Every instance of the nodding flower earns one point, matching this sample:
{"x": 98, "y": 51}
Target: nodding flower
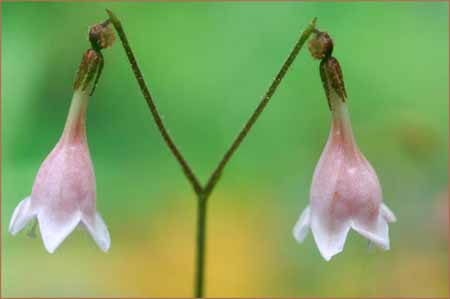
{"x": 63, "y": 195}
{"x": 345, "y": 191}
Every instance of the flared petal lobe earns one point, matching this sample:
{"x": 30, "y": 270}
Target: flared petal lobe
{"x": 98, "y": 230}
{"x": 329, "y": 234}
{"x": 302, "y": 227}
{"x": 22, "y": 214}
{"x": 55, "y": 227}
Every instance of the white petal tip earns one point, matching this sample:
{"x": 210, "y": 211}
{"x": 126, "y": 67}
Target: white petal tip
{"x": 104, "y": 244}
{"x": 50, "y": 249}
{"x": 329, "y": 235}
{"x": 99, "y": 232}
{"x": 379, "y": 236}
{"x": 12, "y": 230}
{"x": 51, "y": 244}
{"x": 327, "y": 258}
{"x": 301, "y": 228}
{"x": 21, "y": 216}
{"x": 388, "y": 214}
{"x": 53, "y": 230}
{"x": 329, "y": 252}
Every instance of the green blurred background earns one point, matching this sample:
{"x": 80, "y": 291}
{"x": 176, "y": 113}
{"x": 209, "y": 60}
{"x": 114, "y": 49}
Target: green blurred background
{"x": 207, "y": 65}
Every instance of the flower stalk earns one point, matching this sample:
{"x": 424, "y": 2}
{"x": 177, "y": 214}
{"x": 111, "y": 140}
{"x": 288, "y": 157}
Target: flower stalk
{"x": 187, "y": 170}
{"x": 203, "y": 192}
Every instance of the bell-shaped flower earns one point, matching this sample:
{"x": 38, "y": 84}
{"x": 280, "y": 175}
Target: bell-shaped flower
{"x": 63, "y": 194}
{"x": 345, "y": 191}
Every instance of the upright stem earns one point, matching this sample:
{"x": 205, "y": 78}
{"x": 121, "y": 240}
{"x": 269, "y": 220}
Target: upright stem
{"x": 200, "y": 246}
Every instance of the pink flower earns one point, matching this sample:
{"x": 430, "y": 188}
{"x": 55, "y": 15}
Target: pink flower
{"x": 63, "y": 194}
{"x": 345, "y": 192}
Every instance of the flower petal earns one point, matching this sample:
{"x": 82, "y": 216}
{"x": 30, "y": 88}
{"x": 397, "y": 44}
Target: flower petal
{"x": 377, "y": 232}
{"x": 23, "y": 213}
{"x": 56, "y": 226}
{"x": 329, "y": 235}
{"x": 98, "y": 231}
{"x": 301, "y": 228}
{"x": 387, "y": 213}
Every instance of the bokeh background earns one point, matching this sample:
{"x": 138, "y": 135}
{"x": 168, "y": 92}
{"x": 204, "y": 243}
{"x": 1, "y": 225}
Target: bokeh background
{"x": 207, "y": 65}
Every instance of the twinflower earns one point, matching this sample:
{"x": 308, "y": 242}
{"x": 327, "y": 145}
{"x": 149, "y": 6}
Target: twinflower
{"x": 63, "y": 195}
{"x": 345, "y": 191}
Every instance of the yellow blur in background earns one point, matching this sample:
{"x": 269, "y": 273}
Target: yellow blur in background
{"x": 207, "y": 65}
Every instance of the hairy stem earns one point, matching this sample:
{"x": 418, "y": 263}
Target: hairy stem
{"x": 214, "y": 178}
{"x": 151, "y": 105}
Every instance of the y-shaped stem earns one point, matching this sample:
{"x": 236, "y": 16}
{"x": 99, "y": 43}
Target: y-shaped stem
{"x": 203, "y": 193}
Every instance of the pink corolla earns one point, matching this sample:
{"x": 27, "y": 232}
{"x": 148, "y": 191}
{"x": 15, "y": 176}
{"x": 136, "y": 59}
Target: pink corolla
{"x": 63, "y": 194}
{"x": 345, "y": 191}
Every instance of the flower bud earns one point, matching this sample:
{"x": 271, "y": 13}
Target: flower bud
{"x": 101, "y": 36}
{"x": 90, "y": 68}
{"x": 333, "y": 81}
{"x": 321, "y": 45}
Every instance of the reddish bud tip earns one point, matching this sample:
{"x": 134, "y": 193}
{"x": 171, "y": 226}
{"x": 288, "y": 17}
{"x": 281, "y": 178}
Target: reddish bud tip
{"x": 321, "y": 45}
{"x": 101, "y": 36}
